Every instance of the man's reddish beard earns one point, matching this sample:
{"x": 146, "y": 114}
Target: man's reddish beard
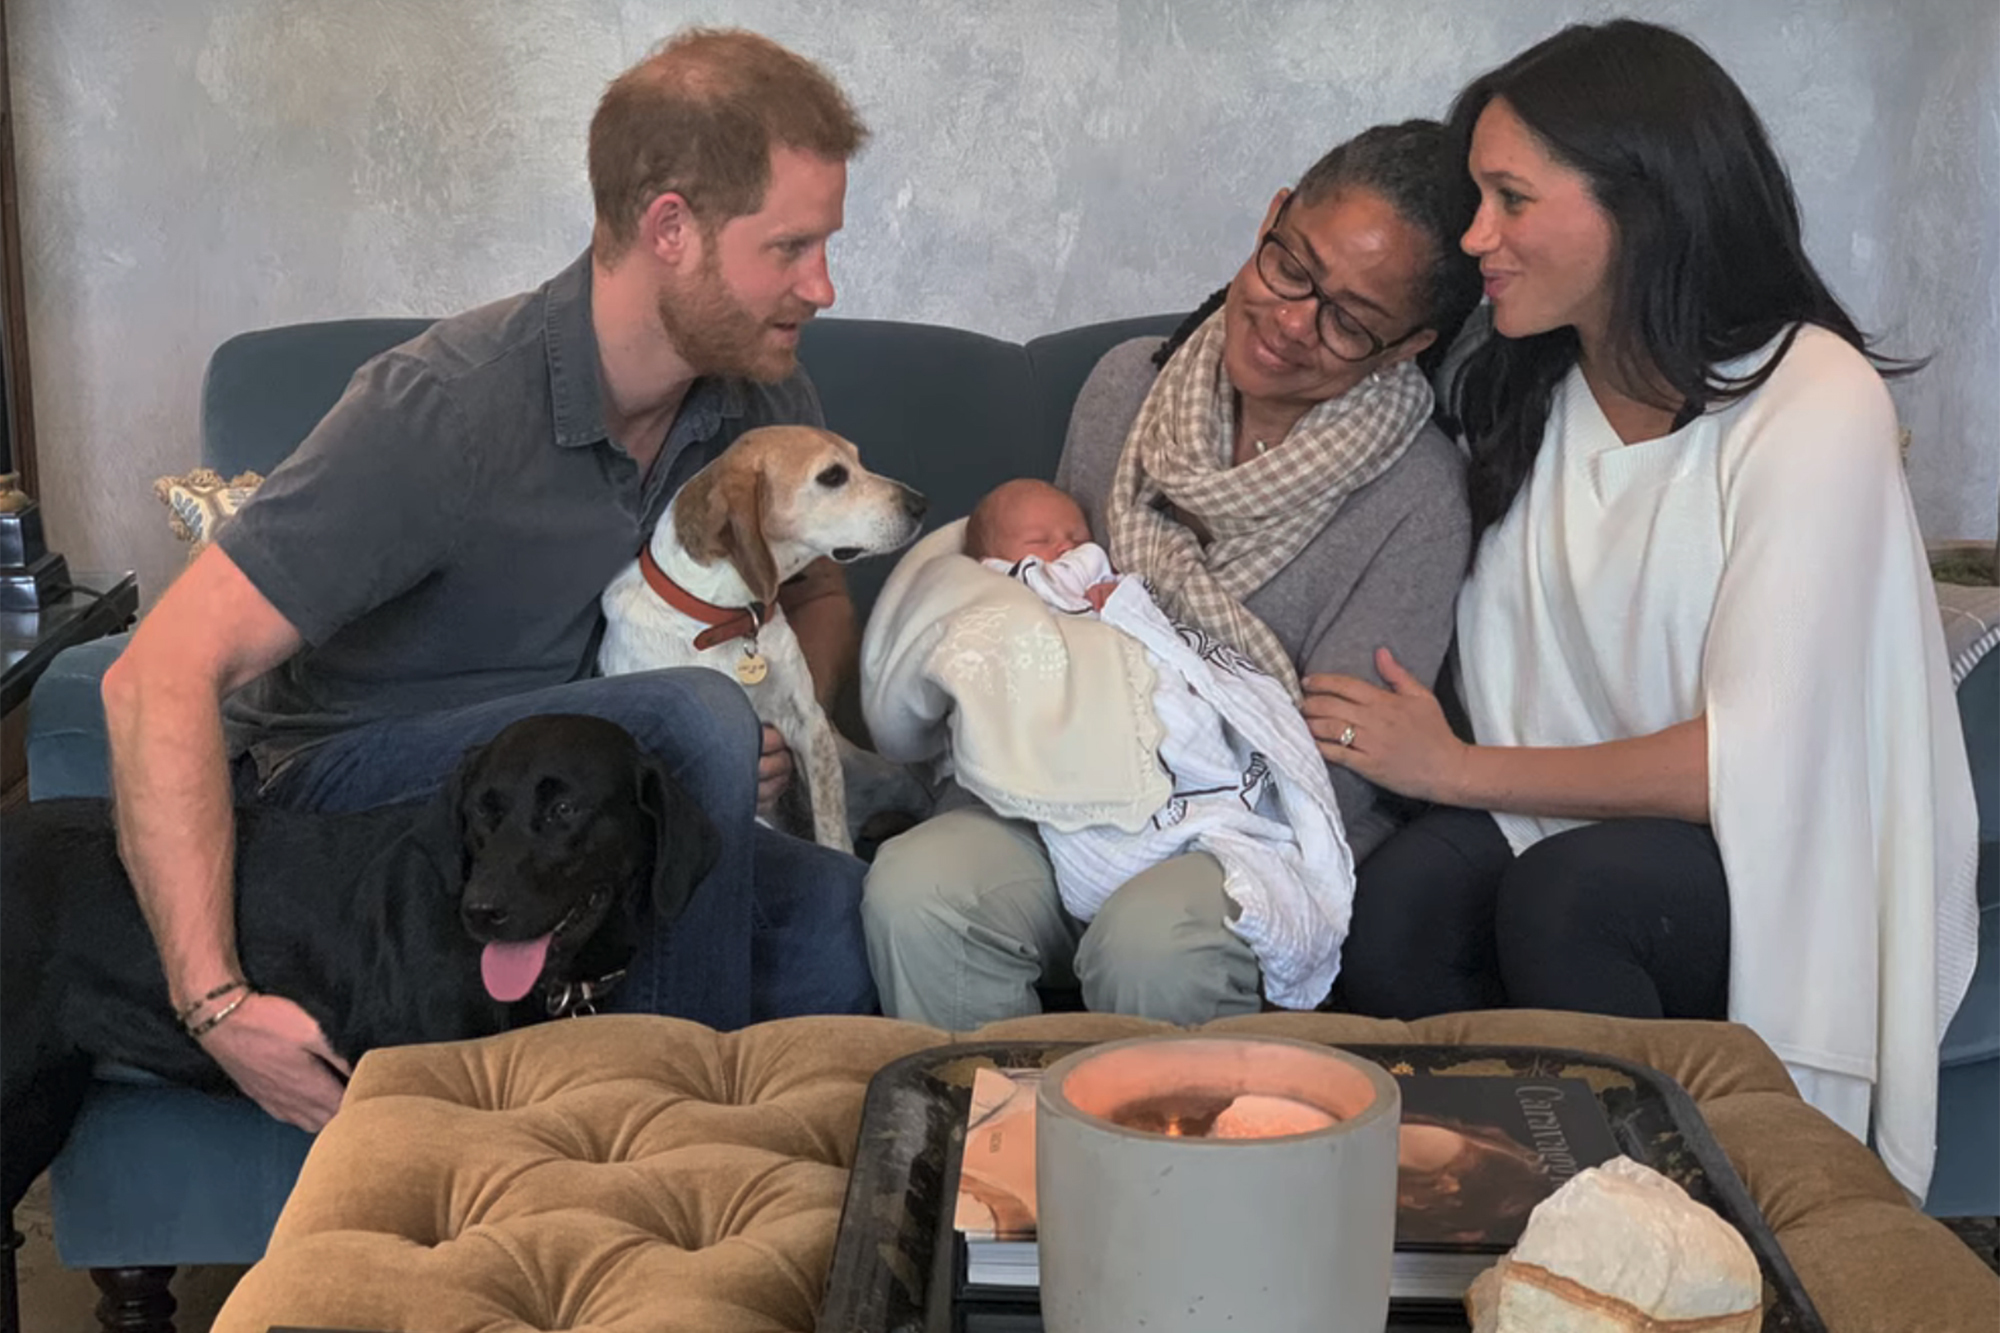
{"x": 717, "y": 334}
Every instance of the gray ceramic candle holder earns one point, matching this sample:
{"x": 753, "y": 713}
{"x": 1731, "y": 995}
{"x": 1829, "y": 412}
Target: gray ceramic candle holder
{"x": 1142, "y": 1227}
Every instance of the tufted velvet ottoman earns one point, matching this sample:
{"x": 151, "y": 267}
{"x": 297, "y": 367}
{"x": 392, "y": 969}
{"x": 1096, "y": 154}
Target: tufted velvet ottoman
{"x": 644, "y": 1175}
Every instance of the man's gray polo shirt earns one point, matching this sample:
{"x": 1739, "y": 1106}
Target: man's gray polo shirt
{"x": 442, "y": 536}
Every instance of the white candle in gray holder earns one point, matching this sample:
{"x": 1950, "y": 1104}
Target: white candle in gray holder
{"x": 1189, "y": 1184}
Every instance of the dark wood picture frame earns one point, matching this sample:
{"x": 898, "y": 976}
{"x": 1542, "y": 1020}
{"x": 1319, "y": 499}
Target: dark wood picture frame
{"x": 17, "y": 414}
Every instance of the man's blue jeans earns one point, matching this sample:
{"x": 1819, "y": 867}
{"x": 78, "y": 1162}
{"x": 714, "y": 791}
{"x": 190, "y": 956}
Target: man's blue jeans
{"x": 774, "y": 930}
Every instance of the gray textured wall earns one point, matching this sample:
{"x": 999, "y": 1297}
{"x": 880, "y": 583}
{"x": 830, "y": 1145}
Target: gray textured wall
{"x": 193, "y": 168}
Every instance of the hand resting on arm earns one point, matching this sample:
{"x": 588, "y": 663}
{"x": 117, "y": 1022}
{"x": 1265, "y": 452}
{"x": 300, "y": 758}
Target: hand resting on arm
{"x": 1400, "y": 740}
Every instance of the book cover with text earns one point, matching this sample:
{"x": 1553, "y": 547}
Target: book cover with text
{"x": 1478, "y": 1152}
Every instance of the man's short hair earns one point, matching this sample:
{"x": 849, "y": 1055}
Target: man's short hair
{"x": 699, "y": 118}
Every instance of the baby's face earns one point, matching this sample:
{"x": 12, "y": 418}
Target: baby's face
{"x": 1043, "y": 523}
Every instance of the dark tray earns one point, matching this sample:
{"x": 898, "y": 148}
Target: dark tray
{"x": 893, "y": 1259}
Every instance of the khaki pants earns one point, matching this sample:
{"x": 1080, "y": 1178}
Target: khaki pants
{"x": 963, "y": 921}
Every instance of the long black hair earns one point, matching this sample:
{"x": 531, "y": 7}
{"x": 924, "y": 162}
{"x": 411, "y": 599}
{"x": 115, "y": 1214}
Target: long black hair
{"x": 1419, "y": 168}
{"x": 1709, "y": 262}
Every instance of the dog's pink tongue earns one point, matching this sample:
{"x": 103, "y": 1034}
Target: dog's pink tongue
{"x": 510, "y": 968}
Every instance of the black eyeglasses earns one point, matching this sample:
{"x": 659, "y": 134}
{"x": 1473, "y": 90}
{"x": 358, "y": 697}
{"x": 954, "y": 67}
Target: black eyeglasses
{"x": 1290, "y": 280}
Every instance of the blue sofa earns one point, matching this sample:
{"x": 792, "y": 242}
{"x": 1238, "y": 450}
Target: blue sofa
{"x": 157, "y": 1176}
{"x": 1966, "y": 1182}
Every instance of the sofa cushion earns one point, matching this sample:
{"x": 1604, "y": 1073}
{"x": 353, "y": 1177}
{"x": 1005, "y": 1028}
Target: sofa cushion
{"x": 1974, "y": 1033}
{"x": 1062, "y": 361}
{"x": 133, "y": 1186}
{"x": 265, "y": 390}
{"x": 201, "y": 501}
{"x": 66, "y": 750}
{"x": 629, "y": 1173}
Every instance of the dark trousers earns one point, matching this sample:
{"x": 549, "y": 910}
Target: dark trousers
{"x": 1628, "y": 917}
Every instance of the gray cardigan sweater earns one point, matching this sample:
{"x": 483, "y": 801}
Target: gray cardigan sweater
{"x": 1383, "y": 573}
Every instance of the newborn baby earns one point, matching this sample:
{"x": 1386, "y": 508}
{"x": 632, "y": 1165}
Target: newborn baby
{"x": 1031, "y": 531}
{"x": 1247, "y": 783}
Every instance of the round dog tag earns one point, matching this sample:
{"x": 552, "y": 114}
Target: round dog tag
{"x": 752, "y": 668}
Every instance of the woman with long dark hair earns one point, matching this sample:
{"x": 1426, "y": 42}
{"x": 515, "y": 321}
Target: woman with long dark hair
{"x": 1715, "y": 766}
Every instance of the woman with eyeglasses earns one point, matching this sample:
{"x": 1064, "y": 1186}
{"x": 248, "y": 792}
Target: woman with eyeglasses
{"x": 1718, "y": 769}
{"x": 1274, "y": 471}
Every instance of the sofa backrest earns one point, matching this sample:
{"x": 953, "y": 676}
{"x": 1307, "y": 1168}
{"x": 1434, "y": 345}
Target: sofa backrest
{"x": 265, "y": 390}
{"x": 949, "y": 412}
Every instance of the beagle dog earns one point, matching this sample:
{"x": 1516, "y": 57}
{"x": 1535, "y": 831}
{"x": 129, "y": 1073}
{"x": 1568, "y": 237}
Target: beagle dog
{"x": 704, "y": 590}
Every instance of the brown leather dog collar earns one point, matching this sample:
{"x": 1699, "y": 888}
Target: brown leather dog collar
{"x": 724, "y": 622}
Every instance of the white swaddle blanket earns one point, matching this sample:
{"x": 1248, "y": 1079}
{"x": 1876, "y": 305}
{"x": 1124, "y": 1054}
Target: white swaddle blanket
{"x": 1247, "y": 784}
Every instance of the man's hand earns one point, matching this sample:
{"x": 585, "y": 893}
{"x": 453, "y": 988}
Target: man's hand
{"x": 279, "y": 1058}
{"x": 774, "y": 771}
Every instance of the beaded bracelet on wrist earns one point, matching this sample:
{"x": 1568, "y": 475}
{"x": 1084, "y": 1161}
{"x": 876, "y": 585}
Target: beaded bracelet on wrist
{"x": 210, "y": 1023}
{"x": 192, "y": 1007}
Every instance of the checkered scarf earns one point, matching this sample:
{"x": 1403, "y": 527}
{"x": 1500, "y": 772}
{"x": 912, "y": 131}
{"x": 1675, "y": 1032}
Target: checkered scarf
{"x": 1260, "y": 514}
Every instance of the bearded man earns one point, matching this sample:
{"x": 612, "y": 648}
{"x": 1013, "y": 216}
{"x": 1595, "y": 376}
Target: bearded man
{"x": 425, "y": 568}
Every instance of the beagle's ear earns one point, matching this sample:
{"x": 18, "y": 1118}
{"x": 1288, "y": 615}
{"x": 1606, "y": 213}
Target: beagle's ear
{"x": 719, "y": 515}
{"x": 743, "y": 535}
{"x": 701, "y": 516}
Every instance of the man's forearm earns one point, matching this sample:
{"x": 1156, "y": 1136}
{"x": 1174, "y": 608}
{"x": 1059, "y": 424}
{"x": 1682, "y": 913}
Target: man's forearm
{"x": 176, "y": 825}
{"x": 210, "y": 634}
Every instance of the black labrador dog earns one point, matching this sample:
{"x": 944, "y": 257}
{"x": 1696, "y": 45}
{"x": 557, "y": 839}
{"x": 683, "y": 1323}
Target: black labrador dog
{"x": 518, "y": 890}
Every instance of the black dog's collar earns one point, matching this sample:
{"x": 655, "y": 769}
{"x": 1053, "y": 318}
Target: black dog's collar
{"x": 578, "y": 999}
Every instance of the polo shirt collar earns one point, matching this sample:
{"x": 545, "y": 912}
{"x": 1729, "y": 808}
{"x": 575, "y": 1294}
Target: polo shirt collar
{"x": 576, "y": 377}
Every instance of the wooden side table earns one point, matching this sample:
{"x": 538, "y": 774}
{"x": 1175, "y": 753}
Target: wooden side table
{"x": 96, "y": 605}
